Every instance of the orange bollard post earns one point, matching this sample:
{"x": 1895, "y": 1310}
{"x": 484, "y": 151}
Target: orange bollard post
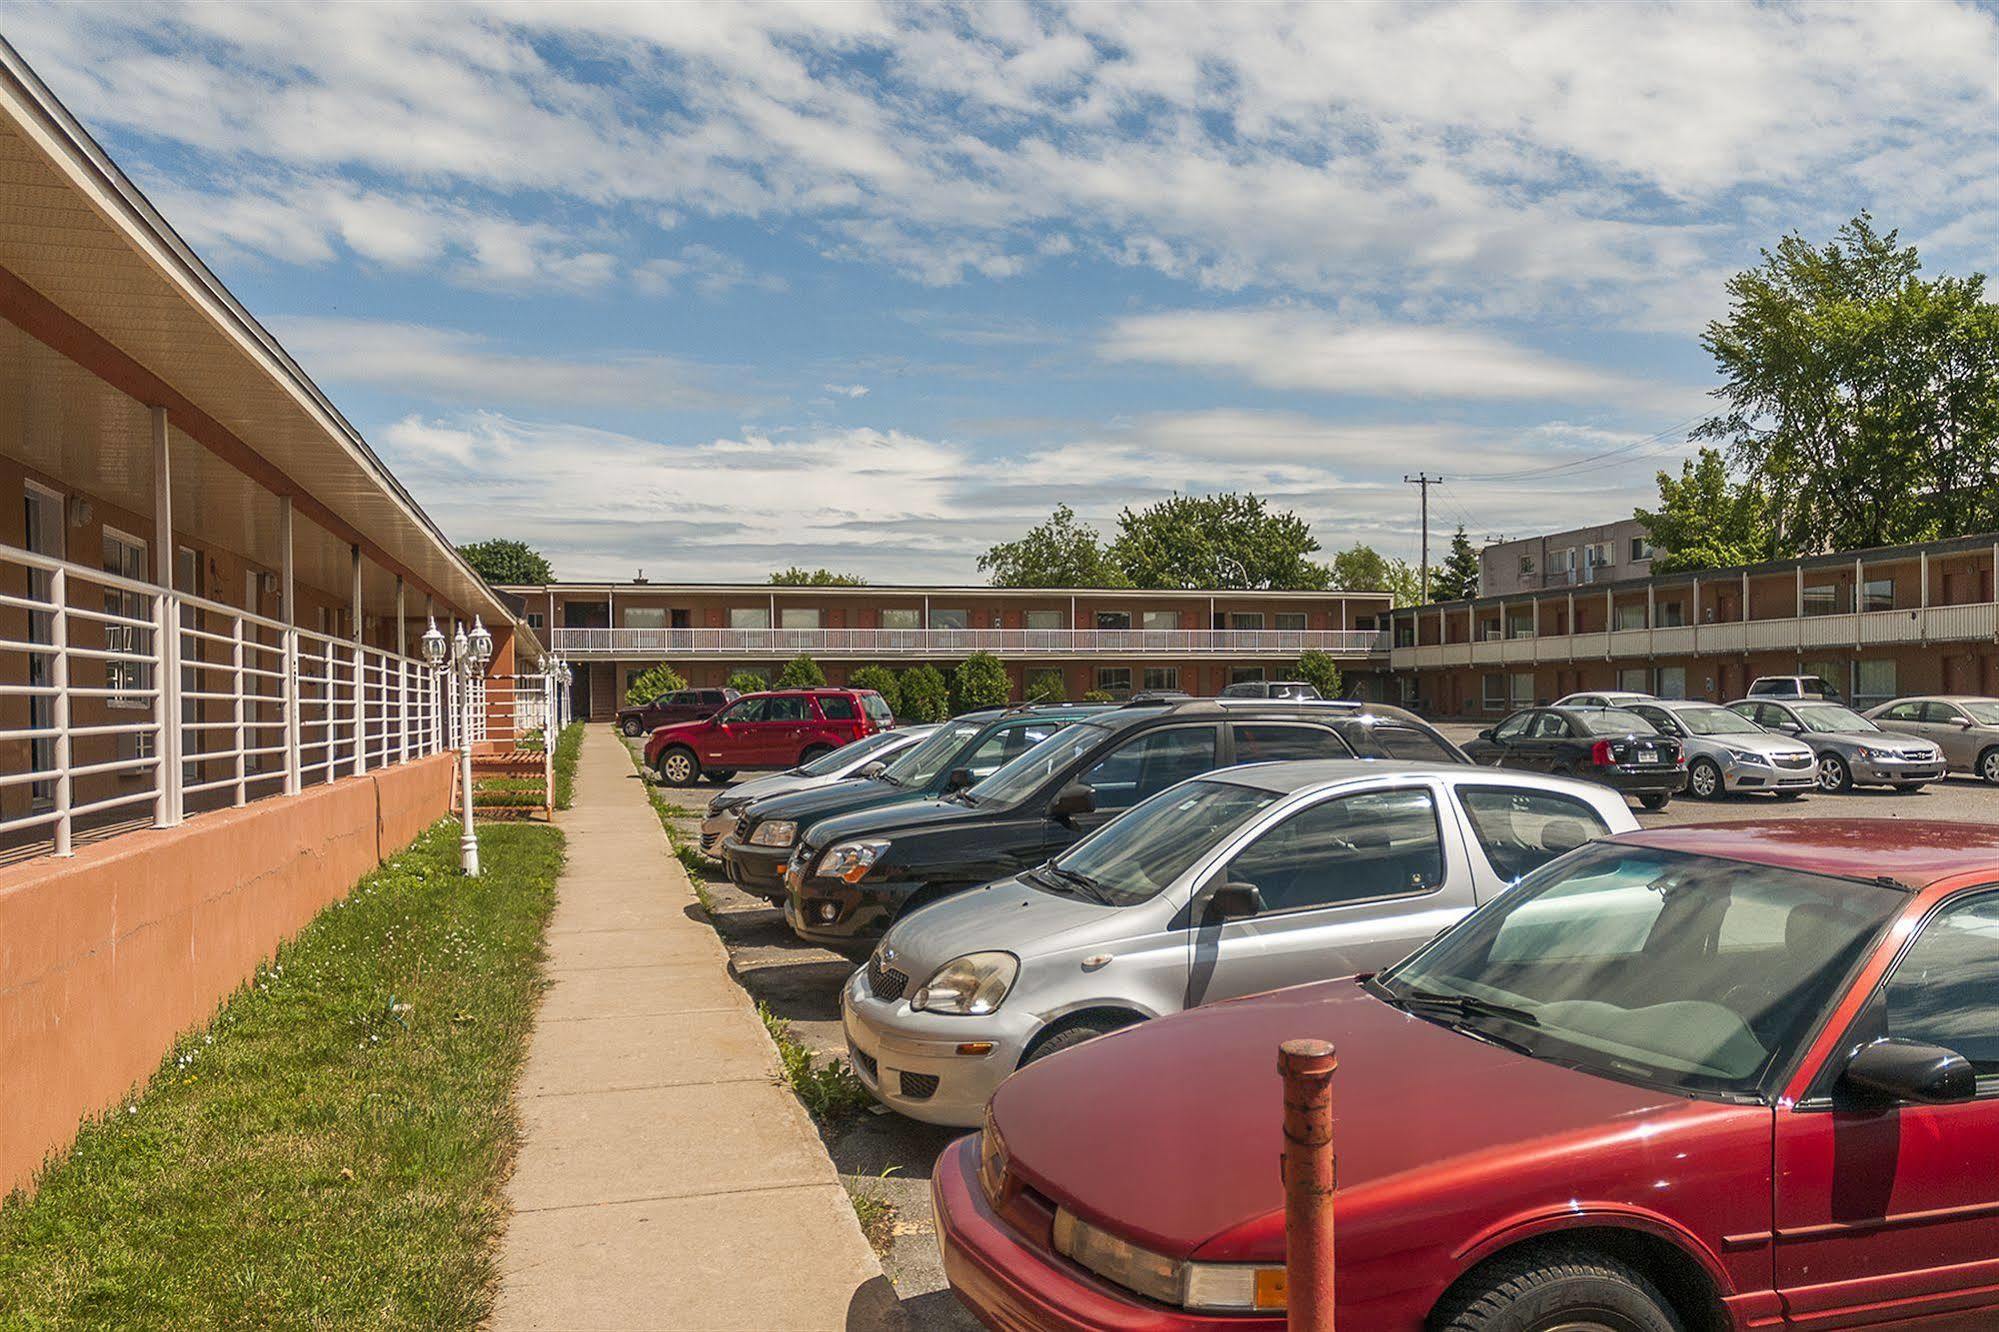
{"x": 1310, "y": 1177}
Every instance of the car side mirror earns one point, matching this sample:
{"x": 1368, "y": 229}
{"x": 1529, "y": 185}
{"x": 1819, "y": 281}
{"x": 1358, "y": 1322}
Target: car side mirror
{"x": 874, "y": 769}
{"x": 1073, "y": 799}
{"x": 1790, "y": 728}
{"x": 958, "y": 779}
{"x": 1911, "y": 1071}
{"x": 1234, "y": 901}
{"x": 1486, "y": 734}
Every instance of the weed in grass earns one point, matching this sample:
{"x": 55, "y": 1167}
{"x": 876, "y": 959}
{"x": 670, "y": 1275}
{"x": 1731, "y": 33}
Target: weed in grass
{"x": 873, "y": 1209}
{"x": 831, "y": 1092}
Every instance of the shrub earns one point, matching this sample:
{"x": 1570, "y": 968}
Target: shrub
{"x": 980, "y": 682}
{"x": 1319, "y": 670}
{"x": 1099, "y": 696}
{"x": 801, "y": 672}
{"x": 1046, "y": 687}
{"x": 882, "y": 680}
{"x": 650, "y": 684}
{"x": 925, "y": 697}
{"x": 748, "y": 682}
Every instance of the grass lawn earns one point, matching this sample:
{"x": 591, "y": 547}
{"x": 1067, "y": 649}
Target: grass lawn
{"x": 329, "y": 1153}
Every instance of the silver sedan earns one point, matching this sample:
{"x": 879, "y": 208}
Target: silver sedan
{"x": 1726, "y": 752}
{"x": 1964, "y": 726}
{"x": 1851, "y": 750}
{"x": 1239, "y": 881}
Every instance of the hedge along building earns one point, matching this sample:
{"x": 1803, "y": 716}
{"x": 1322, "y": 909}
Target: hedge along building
{"x": 1874, "y": 623}
{"x": 211, "y": 593}
{"x": 1117, "y": 640}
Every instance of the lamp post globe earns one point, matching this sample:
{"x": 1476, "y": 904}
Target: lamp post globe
{"x": 432, "y": 644}
{"x": 481, "y": 642}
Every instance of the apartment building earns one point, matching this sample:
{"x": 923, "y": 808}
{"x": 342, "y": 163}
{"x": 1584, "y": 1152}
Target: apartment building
{"x": 1581, "y": 557}
{"x": 1115, "y": 640}
{"x": 212, "y": 720}
{"x": 1876, "y": 623}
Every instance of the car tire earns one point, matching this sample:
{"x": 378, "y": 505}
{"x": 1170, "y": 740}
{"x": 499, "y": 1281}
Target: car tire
{"x": 679, "y": 767}
{"x": 1834, "y": 775}
{"x": 1545, "y": 1289}
{"x": 1988, "y": 766}
{"x": 1068, "y": 1037}
{"x": 1788, "y": 795}
{"x": 1656, "y": 801}
{"x": 632, "y": 726}
{"x": 813, "y": 752}
{"x": 1704, "y": 780}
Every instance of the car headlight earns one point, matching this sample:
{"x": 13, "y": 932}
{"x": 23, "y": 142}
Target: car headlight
{"x": 971, "y": 985}
{"x": 851, "y": 861}
{"x": 1744, "y": 756}
{"x": 1863, "y": 752}
{"x": 775, "y": 832}
{"x": 1242, "y": 1287}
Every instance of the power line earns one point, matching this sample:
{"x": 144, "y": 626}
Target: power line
{"x": 1572, "y": 463}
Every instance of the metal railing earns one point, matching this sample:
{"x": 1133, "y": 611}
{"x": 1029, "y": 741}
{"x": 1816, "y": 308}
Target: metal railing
{"x": 123, "y": 704}
{"x": 937, "y": 643}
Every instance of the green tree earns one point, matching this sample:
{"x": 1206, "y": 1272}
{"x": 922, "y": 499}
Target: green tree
{"x": 1098, "y": 696}
{"x": 980, "y": 682}
{"x": 801, "y": 672}
{"x": 651, "y": 683}
{"x": 1062, "y": 552}
{"x": 1045, "y": 686}
{"x": 797, "y": 577}
{"x": 1458, "y": 580}
{"x": 882, "y": 680}
{"x": 1203, "y": 541}
{"x": 501, "y": 561}
{"x": 1706, "y": 521}
{"x": 1362, "y": 568}
{"x": 925, "y": 696}
{"x": 1319, "y": 670}
{"x": 1862, "y": 399}
{"x": 749, "y": 682}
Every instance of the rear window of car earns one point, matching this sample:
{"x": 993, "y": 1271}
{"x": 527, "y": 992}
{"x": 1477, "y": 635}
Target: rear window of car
{"x": 837, "y": 707}
{"x": 877, "y": 709}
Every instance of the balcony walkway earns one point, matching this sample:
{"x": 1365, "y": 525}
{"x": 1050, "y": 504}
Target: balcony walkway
{"x": 662, "y": 1164}
{"x": 944, "y": 644}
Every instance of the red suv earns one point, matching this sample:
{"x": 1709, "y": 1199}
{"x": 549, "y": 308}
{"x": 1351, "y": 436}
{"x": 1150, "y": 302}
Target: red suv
{"x": 780, "y": 729}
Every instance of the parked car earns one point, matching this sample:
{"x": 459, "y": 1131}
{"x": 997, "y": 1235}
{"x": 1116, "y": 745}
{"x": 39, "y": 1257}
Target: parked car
{"x": 1964, "y": 726}
{"x": 1697, "y": 1077}
{"x": 678, "y": 706}
{"x": 835, "y": 765}
{"x": 780, "y": 728}
{"x": 1603, "y": 698}
{"x": 1792, "y": 686}
{"x": 959, "y": 753}
{"x": 849, "y": 877}
{"x": 1271, "y": 689}
{"x": 1851, "y": 750}
{"x": 1236, "y": 882}
{"x": 1727, "y": 752}
{"x": 1613, "y": 746}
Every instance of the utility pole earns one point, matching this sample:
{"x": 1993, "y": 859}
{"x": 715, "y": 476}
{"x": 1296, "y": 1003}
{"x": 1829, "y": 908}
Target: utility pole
{"x": 1425, "y": 481}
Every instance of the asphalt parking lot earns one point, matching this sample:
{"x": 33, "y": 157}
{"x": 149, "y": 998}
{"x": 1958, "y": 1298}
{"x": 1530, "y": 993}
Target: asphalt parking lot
{"x": 892, "y": 1156}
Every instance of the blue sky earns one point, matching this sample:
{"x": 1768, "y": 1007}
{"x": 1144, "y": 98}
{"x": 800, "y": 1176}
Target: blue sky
{"x": 711, "y": 290}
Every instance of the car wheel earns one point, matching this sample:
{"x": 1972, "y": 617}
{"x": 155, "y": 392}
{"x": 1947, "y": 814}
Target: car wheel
{"x": 1704, "y": 780}
{"x": 1834, "y": 775}
{"x": 1556, "y": 1290}
{"x": 679, "y": 767}
{"x": 1656, "y": 801}
{"x": 632, "y": 726}
{"x": 1988, "y": 765}
{"x": 1067, "y": 1038}
{"x": 813, "y": 752}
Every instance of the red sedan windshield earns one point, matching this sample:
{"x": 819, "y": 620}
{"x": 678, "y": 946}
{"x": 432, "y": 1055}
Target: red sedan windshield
{"x": 1690, "y": 972}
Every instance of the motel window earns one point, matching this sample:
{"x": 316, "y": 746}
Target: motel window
{"x": 43, "y": 533}
{"x": 1043, "y": 619}
{"x": 1820, "y": 599}
{"x": 1245, "y": 674}
{"x": 798, "y": 617}
{"x": 1162, "y": 677}
{"x": 1672, "y": 682}
{"x": 1405, "y": 633}
{"x": 1168, "y": 619}
{"x": 1874, "y": 679}
{"x": 1564, "y": 561}
{"x": 535, "y": 621}
{"x": 1246, "y": 620}
{"x": 749, "y": 617}
{"x": 1630, "y": 617}
{"x": 1526, "y": 565}
{"x": 1634, "y": 680}
{"x": 902, "y": 617}
{"x": 1834, "y": 673}
{"x": 1523, "y": 689}
{"x": 950, "y": 619}
{"x": 645, "y": 617}
{"x": 1114, "y": 680}
{"x": 1878, "y": 594}
{"x": 1290, "y": 620}
{"x": 125, "y": 556}
{"x": 1113, "y": 619}
{"x": 1672, "y": 614}
{"x": 1641, "y": 549}
{"x": 1521, "y": 625}
{"x": 1495, "y": 692}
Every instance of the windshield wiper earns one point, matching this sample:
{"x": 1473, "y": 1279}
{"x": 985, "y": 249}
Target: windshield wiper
{"x": 1466, "y": 1005}
{"x": 1088, "y": 886}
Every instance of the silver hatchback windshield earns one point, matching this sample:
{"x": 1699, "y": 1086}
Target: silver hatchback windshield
{"x": 1132, "y": 859}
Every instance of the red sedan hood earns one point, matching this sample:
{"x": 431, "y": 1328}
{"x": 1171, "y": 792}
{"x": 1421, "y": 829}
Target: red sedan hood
{"x": 1170, "y": 1133}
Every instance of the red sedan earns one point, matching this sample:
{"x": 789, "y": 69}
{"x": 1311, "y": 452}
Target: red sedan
{"x": 1734, "y": 1076}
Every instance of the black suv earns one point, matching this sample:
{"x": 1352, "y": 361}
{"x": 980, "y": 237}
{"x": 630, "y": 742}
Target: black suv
{"x": 960, "y": 752}
{"x": 679, "y": 706}
{"x": 850, "y": 877}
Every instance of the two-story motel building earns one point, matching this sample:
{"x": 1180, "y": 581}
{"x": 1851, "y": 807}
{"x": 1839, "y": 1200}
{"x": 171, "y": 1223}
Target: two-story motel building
{"x": 1875, "y": 623}
{"x": 1118, "y": 641}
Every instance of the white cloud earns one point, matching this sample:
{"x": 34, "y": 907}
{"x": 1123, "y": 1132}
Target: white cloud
{"x": 704, "y": 268}
{"x": 847, "y": 390}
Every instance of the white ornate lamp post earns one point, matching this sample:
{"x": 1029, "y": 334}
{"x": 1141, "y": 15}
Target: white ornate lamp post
{"x": 465, "y": 657}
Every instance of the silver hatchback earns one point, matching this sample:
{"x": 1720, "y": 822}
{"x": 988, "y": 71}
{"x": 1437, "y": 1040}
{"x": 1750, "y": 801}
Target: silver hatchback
{"x": 1239, "y": 881}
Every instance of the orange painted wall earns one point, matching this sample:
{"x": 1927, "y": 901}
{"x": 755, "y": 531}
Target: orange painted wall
{"x": 107, "y": 956}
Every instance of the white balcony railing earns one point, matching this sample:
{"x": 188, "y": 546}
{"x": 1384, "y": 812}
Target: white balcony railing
{"x": 125, "y": 705}
{"x": 947, "y": 643}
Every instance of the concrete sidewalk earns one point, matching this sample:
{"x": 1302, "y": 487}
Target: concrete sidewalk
{"x": 666, "y": 1179}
